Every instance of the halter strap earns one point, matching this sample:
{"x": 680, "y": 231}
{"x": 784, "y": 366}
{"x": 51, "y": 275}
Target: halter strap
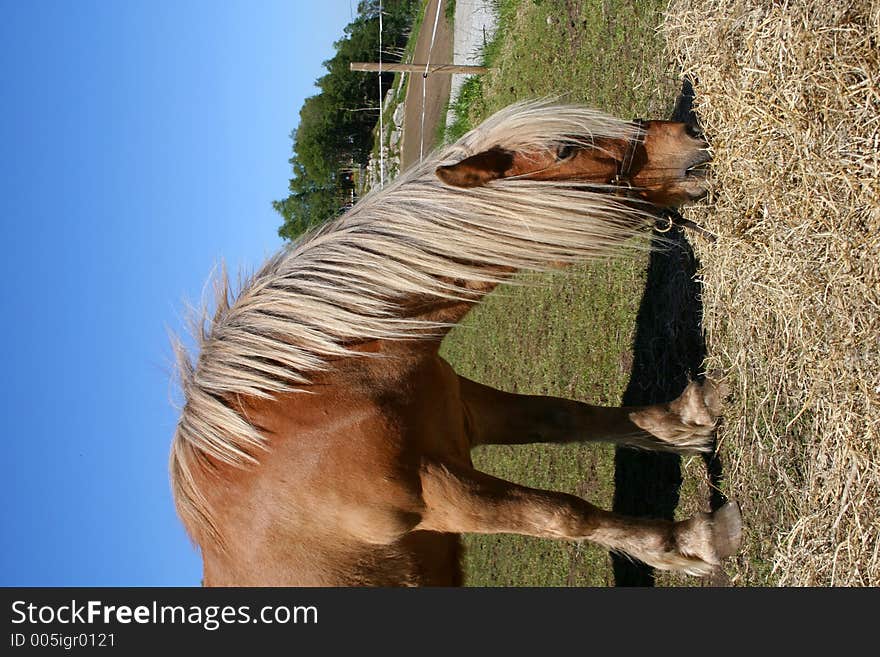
{"x": 624, "y": 170}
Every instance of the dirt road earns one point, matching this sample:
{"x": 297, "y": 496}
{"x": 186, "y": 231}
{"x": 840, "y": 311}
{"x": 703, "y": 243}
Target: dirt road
{"x": 436, "y": 89}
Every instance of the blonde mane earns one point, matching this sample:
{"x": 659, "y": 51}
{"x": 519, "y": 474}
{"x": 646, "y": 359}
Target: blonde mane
{"x": 345, "y": 283}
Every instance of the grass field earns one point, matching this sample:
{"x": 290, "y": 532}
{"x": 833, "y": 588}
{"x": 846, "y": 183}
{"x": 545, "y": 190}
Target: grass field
{"x": 569, "y": 336}
{"x": 783, "y": 301}
{"x": 587, "y": 334}
{"x": 605, "y": 53}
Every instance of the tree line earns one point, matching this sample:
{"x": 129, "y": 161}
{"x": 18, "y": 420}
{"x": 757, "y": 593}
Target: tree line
{"x": 335, "y": 134}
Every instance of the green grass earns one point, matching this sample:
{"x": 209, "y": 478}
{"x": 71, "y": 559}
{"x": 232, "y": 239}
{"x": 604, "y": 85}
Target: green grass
{"x": 566, "y": 335}
{"x": 468, "y": 95}
{"x": 571, "y": 334}
{"x": 605, "y": 53}
{"x": 449, "y": 10}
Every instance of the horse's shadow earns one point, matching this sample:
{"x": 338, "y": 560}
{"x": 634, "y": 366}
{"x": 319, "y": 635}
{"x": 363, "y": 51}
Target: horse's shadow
{"x": 669, "y": 348}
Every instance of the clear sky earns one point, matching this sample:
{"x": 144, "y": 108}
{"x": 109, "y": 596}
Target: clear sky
{"x": 140, "y": 143}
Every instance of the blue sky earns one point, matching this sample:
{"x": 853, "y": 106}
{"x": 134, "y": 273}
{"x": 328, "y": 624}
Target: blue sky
{"x": 142, "y": 141}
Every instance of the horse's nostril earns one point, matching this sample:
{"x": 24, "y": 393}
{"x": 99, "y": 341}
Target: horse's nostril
{"x": 693, "y": 130}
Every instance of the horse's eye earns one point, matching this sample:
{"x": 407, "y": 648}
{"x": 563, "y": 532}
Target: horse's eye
{"x": 564, "y": 151}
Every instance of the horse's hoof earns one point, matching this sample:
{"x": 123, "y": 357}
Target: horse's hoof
{"x": 727, "y": 530}
{"x": 715, "y": 389}
{"x": 686, "y": 425}
{"x": 707, "y": 539}
{"x": 698, "y": 407}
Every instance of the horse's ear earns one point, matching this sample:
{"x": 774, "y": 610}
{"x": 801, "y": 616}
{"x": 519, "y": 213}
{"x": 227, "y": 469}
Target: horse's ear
{"x": 477, "y": 169}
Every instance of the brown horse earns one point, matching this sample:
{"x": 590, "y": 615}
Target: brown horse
{"x": 323, "y": 441}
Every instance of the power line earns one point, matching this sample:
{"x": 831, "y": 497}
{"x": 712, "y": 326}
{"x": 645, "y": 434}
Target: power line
{"x": 381, "y": 109}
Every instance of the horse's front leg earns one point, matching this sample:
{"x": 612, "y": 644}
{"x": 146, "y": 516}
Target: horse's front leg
{"x": 459, "y": 499}
{"x": 683, "y": 426}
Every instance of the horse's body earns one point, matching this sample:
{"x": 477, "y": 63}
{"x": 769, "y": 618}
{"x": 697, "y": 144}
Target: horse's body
{"x": 325, "y": 442}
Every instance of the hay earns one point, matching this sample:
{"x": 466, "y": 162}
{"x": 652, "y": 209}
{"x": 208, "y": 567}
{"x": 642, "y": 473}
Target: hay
{"x": 789, "y": 96}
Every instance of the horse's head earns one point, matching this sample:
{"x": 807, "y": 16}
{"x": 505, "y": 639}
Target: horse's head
{"x": 662, "y": 164}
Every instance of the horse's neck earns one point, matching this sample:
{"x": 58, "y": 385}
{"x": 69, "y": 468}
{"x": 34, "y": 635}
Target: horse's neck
{"x": 452, "y": 311}
{"x": 445, "y": 312}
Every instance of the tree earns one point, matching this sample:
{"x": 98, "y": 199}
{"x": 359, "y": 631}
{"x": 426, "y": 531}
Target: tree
{"x": 330, "y": 135}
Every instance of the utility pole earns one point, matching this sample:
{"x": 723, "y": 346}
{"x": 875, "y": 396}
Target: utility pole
{"x": 374, "y": 67}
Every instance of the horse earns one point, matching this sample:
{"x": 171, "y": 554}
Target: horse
{"x": 322, "y": 439}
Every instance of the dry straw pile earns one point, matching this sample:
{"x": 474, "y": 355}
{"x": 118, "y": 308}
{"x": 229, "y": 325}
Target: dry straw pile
{"x": 789, "y": 97}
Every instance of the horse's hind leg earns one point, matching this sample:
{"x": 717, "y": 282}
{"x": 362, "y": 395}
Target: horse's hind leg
{"x": 459, "y": 499}
{"x": 685, "y": 425}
